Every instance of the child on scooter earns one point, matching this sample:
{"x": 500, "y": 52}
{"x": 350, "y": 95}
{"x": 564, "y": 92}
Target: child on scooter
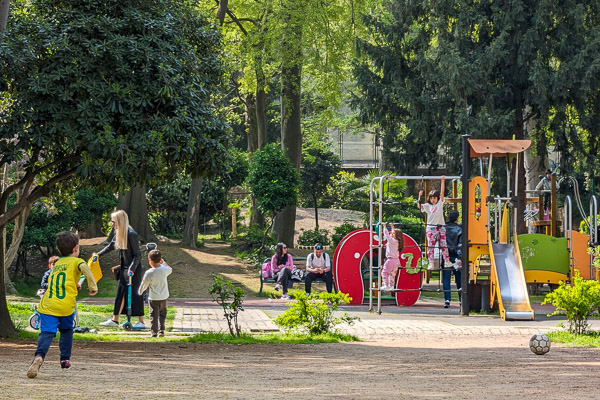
{"x": 155, "y": 280}
{"x": 44, "y": 284}
{"x": 57, "y": 307}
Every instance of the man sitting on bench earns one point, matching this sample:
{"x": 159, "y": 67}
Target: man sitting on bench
{"x": 318, "y": 266}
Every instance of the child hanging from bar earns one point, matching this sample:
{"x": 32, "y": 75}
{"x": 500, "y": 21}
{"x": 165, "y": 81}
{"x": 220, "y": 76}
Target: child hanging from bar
{"x": 393, "y": 247}
{"x": 436, "y": 230}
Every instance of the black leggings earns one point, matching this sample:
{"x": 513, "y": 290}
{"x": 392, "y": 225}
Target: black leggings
{"x": 284, "y": 277}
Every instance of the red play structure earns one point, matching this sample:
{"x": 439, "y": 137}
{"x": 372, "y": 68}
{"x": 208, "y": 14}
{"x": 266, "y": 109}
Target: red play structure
{"x": 349, "y": 276}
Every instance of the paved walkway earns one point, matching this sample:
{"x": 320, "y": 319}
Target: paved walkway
{"x": 425, "y": 318}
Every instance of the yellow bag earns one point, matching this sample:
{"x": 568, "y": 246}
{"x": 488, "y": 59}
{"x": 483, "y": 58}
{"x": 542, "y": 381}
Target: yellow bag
{"x": 94, "y": 265}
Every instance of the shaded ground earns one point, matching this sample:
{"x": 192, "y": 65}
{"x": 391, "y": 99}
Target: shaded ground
{"x": 465, "y": 367}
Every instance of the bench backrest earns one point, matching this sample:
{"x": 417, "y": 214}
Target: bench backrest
{"x": 299, "y": 262}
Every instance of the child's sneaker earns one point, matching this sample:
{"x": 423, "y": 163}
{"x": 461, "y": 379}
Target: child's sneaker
{"x": 65, "y": 364}
{"x": 161, "y": 334}
{"x": 385, "y": 287}
{"x": 154, "y": 335}
{"x": 286, "y": 297}
{"x": 139, "y": 325}
{"x": 447, "y": 304}
{"x": 277, "y": 286}
{"x": 37, "y": 362}
{"x": 109, "y": 322}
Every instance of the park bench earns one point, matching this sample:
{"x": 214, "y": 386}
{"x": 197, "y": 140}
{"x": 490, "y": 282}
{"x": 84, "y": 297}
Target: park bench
{"x": 300, "y": 263}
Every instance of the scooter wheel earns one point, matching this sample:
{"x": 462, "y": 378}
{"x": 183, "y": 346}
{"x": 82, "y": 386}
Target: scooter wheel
{"x": 34, "y": 321}
{"x": 127, "y": 326}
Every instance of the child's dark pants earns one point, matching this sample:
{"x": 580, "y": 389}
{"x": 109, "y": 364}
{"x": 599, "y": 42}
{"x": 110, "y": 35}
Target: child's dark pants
{"x": 158, "y": 315}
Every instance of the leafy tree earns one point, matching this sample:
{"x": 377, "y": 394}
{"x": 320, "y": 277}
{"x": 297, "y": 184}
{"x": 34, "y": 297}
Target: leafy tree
{"x": 273, "y": 181}
{"x": 89, "y": 208}
{"x": 434, "y": 70}
{"x": 110, "y": 91}
{"x": 318, "y": 167}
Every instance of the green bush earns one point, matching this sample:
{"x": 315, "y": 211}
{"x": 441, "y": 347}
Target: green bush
{"x": 312, "y": 236}
{"x": 229, "y": 297}
{"x": 341, "y": 231}
{"x": 315, "y": 314}
{"x": 412, "y": 226}
{"x": 579, "y": 301}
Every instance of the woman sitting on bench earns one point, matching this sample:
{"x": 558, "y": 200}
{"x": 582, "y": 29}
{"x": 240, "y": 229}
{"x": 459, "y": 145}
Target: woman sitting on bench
{"x": 282, "y": 265}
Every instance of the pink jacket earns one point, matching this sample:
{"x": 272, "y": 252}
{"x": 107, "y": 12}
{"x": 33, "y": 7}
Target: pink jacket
{"x": 391, "y": 247}
{"x": 289, "y": 264}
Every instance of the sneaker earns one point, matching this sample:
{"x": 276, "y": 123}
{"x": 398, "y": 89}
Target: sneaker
{"x": 447, "y": 304}
{"x": 109, "y": 322}
{"x": 277, "y": 286}
{"x": 65, "y": 364}
{"x": 161, "y": 334}
{"x": 139, "y": 325}
{"x": 385, "y": 287}
{"x": 307, "y": 294}
{"x": 154, "y": 335}
{"x": 37, "y": 362}
{"x": 286, "y": 297}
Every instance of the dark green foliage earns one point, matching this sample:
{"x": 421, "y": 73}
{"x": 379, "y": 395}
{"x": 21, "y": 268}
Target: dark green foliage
{"x": 312, "y": 236}
{"x": 341, "y": 231}
{"x": 273, "y": 180}
{"x": 434, "y": 70}
{"x": 318, "y": 167}
{"x": 91, "y": 205}
{"x": 118, "y": 90}
{"x": 45, "y": 220}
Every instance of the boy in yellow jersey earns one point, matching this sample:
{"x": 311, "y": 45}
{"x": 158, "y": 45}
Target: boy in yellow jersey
{"x": 57, "y": 307}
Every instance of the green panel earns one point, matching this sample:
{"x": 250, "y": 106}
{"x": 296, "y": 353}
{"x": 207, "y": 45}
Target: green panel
{"x": 544, "y": 253}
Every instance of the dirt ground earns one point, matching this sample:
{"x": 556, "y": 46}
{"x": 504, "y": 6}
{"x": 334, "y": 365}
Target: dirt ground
{"x": 468, "y": 367}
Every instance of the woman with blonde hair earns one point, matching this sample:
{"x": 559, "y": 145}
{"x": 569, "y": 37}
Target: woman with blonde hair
{"x": 127, "y": 242}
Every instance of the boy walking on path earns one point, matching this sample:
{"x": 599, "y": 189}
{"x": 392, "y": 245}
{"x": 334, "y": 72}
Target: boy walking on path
{"x": 155, "y": 280}
{"x": 57, "y": 307}
{"x": 318, "y": 266}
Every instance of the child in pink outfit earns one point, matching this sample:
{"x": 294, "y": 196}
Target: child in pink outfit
{"x": 436, "y": 230}
{"x": 393, "y": 247}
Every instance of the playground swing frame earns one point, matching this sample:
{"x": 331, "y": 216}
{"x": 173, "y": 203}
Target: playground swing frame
{"x": 380, "y": 201}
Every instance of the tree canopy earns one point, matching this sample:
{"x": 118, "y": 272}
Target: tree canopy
{"x": 114, "y": 92}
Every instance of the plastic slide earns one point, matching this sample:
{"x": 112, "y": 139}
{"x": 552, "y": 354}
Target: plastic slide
{"x": 509, "y": 282}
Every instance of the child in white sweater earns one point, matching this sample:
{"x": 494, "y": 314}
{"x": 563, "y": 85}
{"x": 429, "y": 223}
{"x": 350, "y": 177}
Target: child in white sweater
{"x": 155, "y": 280}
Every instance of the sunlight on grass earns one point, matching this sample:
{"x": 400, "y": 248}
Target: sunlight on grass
{"x": 590, "y": 339}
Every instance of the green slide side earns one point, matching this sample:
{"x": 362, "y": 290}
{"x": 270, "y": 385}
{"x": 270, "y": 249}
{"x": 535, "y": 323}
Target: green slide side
{"x": 544, "y": 253}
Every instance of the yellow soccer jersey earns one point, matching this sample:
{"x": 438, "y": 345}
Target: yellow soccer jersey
{"x": 59, "y": 299}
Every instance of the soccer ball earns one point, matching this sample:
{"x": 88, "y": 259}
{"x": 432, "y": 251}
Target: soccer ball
{"x": 539, "y": 344}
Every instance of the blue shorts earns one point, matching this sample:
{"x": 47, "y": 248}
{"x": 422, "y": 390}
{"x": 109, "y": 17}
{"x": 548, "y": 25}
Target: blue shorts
{"x": 52, "y": 323}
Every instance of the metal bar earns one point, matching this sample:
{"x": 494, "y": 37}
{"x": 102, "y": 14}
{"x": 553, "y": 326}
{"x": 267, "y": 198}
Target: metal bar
{"x": 466, "y": 173}
{"x": 379, "y": 235}
{"x": 415, "y": 178}
{"x": 568, "y": 227}
{"x": 371, "y": 244}
{"x": 593, "y": 229}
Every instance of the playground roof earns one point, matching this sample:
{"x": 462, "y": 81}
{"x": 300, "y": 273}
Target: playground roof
{"x": 497, "y": 147}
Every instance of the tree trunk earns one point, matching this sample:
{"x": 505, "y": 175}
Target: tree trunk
{"x": 316, "y": 212}
{"x": 291, "y": 132}
{"x": 221, "y": 11}
{"x": 250, "y": 120}
{"x": 261, "y": 104}
{"x": 4, "y": 9}
{"x": 134, "y": 203}
{"x": 190, "y": 231}
{"x": 6, "y": 326}
{"x": 13, "y": 249}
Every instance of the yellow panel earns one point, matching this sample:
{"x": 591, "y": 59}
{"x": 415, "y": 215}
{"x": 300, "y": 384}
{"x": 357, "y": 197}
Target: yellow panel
{"x": 581, "y": 257}
{"x": 477, "y": 225}
{"x": 536, "y": 276}
{"x": 474, "y": 252}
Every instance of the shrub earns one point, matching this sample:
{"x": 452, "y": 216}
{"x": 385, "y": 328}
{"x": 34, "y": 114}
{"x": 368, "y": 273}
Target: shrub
{"x": 412, "y": 226}
{"x": 230, "y": 298}
{"x": 315, "y": 313}
{"x": 341, "y": 231}
{"x": 579, "y": 301}
{"x": 312, "y": 236}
